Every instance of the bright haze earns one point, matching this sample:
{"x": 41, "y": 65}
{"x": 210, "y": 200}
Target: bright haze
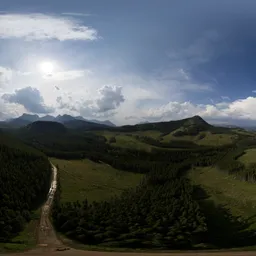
{"x": 129, "y": 61}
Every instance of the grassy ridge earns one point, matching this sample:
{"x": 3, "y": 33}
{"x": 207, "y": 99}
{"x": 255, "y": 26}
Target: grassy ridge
{"x": 249, "y": 156}
{"x": 235, "y": 195}
{"x": 128, "y": 140}
{"x": 82, "y": 179}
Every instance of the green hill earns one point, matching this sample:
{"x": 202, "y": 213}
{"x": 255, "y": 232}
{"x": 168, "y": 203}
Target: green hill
{"x": 99, "y": 169}
{"x": 167, "y": 127}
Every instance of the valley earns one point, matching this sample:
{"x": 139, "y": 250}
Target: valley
{"x": 170, "y": 186}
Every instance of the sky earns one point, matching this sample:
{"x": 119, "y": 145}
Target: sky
{"x": 129, "y": 61}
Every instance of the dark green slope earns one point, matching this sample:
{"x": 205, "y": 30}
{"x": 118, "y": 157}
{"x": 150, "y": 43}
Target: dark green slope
{"x": 167, "y": 126}
{"x": 24, "y": 183}
{"x": 45, "y": 127}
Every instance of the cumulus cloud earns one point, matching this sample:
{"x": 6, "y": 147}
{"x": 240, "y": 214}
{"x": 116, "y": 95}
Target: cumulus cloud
{"x": 44, "y": 27}
{"x": 172, "y": 111}
{"x": 67, "y": 105}
{"x": 30, "y": 98}
{"x": 110, "y": 98}
{"x": 103, "y": 104}
{"x": 241, "y": 109}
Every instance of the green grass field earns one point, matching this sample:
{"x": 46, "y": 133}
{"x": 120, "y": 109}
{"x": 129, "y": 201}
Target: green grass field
{"x": 236, "y": 195}
{"x": 82, "y": 179}
{"x": 209, "y": 139}
{"x": 128, "y": 140}
{"x": 249, "y": 156}
{"x": 26, "y": 239}
{"x": 125, "y": 140}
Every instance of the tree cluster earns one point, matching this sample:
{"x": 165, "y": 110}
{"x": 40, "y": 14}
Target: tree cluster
{"x": 24, "y": 184}
{"x": 159, "y": 213}
{"x": 231, "y": 165}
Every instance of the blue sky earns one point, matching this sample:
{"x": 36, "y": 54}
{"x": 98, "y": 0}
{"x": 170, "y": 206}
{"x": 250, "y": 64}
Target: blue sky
{"x": 129, "y": 61}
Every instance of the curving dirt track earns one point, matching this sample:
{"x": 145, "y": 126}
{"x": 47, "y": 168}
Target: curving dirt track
{"x": 50, "y": 245}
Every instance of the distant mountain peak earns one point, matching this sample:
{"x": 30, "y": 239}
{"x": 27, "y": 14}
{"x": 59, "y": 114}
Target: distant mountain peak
{"x": 26, "y": 119}
{"x": 29, "y": 117}
{"x": 197, "y": 120}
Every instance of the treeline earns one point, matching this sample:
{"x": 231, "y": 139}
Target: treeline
{"x": 231, "y": 165}
{"x": 171, "y": 144}
{"x": 159, "y": 213}
{"x": 70, "y": 145}
{"x": 24, "y": 184}
{"x": 88, "y": 145}
{"x": 140, "y": 161}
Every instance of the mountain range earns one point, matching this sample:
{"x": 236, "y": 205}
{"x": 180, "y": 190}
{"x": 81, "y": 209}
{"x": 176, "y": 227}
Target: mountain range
{"x": 68, "y": 120}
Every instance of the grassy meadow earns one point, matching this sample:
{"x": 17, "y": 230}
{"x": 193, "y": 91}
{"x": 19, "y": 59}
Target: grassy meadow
{"x": 128, "y": 140}
{"x": 249, "y": 156}
{"x": 237, "y": 196}
{"x": 204, "y": 138}
{"x": 82, "y": 179}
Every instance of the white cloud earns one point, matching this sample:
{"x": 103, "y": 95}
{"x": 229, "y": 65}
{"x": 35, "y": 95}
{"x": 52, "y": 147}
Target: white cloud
{"x": 103, "y": 104}
{"x": 9, "y": 110}
{"x": 5, "y": 76}
{"x": 110, "y": 98}
{"x": 67, "y": 75}
{"x": 44, "y": 27}
{"x": 171, "y": 111}
{"x": 30, "y": 98}
{"x": 241, "y": 109}
{"x": 76, "y": 14}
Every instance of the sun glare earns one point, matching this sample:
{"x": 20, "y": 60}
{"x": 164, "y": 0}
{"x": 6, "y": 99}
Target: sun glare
{"x": 46, "y": 67}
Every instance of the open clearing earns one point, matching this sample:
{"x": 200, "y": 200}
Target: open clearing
{"x": 128, "y": 140}
{"x": 249, "y": 156}
{"x": 209, "y": 139}
{"x": 236, "y": 195}
{"x": 82, "y": 179}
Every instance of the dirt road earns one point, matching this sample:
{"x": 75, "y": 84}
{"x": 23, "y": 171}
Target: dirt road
{"x": 49, "y": 245}
{"x": 46, "y": 234}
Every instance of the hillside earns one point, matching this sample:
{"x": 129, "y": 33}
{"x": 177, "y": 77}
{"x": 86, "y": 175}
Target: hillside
{"x": 45, "y": 127}
{"x": 56, "y": 140}
{"x": 187, "y": 126}
{"x": 78, "y": 137}
{"x": 24, "y": 183}
{"x": 118, "y": 186}
{"x": 84, "y": 125}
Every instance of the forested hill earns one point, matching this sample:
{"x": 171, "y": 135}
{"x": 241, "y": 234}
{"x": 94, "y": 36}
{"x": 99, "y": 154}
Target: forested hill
{"x": 24, "y": 183}
{"x": 187, "y": 126}
{"x": 45, "y": 127}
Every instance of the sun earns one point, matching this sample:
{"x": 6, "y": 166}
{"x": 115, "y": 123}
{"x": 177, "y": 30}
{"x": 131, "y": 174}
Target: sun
{"x": 46, "y": 67}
